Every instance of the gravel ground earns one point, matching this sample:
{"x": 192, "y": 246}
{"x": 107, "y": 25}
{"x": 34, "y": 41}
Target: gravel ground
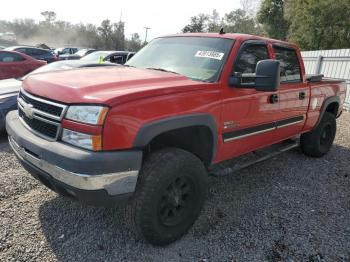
{"x": 290, "y": 208}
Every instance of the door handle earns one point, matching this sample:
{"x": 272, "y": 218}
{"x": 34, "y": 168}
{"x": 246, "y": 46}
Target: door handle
{"x": 273, "y": 98}
{"x": 302, "y": 95}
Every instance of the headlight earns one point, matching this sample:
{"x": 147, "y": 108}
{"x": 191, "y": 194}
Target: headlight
{"x": 86, "y": 141}
{"x": 94, "y": 115}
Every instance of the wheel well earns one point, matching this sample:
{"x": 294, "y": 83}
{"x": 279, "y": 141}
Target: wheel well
{"x": 197, "y": 140}
{"x": 333, "y": 108}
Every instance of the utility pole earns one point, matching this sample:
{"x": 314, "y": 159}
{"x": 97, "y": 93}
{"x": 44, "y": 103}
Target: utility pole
{"x": 147, "y": 28}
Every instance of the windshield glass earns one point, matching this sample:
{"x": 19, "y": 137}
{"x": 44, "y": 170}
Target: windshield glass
{"x": 199, "y": 58}
{"x": 96, "y": 56}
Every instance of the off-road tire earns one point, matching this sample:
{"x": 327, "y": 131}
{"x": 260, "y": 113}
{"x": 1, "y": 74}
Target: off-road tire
{"x": 163, "y": 172}
{"x": 318, "y": 142}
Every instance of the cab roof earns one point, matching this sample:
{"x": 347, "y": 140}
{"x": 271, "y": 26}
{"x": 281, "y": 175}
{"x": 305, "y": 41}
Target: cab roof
{"x": 237, "y": 37}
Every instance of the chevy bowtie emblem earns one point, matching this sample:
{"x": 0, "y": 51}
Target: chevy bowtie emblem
{"x": 28, "y": 110}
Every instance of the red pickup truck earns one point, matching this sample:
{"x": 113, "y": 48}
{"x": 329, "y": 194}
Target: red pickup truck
{"x": 147, "y": 132}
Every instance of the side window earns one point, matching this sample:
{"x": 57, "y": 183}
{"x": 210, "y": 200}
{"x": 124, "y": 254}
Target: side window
{"x": 29, "y": 51}
{"x": 6, "y": 57}
{"x": 290, "y": 67}
{"x": 36, "y": 52}
{"x": 249, "y": 57}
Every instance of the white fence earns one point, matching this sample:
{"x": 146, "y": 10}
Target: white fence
{"x": 331, "y": 63}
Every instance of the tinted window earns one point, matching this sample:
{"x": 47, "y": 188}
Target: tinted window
{"x": 249, "y": 57}
{"x": 6, "y": 57}
{"x": 290, "y": 68}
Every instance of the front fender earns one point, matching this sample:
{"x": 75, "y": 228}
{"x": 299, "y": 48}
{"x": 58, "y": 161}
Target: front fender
{"x": 150, "y": 130}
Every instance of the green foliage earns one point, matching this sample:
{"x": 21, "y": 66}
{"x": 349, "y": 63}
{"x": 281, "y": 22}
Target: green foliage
{"x": 237, "y": 21}
{"x": 319, "y": 24}
{"x": 135, "y": 43}
{"x": 271, "y": 16}
{"x": 199, "y": 23}
{"x": 312, "y": 24}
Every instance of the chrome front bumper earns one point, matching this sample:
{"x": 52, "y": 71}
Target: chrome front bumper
{"x": 114, "y": 172}
{"x": 113, "y": 183}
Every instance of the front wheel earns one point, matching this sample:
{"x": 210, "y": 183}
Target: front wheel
{"x": 318, "y": 142}
{"x": 169, "y": 196}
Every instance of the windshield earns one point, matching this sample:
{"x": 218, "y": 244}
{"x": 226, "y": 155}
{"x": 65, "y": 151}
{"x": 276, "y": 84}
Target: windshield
{"x": 96, "y": 56}
{"x": 199, "y": 58}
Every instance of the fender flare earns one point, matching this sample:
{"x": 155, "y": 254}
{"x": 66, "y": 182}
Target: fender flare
{"x": 150, "y": 130}
{"x": 325, "y": 104}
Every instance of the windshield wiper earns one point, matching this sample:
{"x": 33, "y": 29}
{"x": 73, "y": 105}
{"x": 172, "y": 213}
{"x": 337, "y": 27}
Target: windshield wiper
{"x": 162, "y": 69}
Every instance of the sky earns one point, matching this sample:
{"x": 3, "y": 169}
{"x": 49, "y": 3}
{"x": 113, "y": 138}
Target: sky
{"x": 162, "y": 16}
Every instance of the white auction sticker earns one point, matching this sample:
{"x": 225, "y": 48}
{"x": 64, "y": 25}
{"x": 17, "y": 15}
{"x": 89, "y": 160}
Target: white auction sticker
{"x": 210, "y": 54}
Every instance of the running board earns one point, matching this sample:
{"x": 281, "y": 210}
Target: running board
{"x": 231, "y": 166}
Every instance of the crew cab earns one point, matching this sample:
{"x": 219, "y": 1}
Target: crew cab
{"x": 146, "y": 133}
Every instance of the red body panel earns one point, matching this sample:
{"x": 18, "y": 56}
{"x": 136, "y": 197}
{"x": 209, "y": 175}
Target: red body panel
{"x": 140, "y": 96}
{"x": 19, "y": 68}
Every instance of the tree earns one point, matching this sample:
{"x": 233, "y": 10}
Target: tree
{"x": 319, "y": 24}
{"x": 135, "y": 43}
{"x": 49, "y": 16}
{"x": 271, "y": 16}
{"x": 239, "y": 22}
{"x": 214, "y": 23}
{"x": 198, "y": 24}
{"x": 119, "y": 36}
{"x": 106, "y": 33}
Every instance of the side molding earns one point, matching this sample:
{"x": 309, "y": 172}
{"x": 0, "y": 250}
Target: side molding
{"x": 325, "y": 104}
{"x": 150, "y": 130}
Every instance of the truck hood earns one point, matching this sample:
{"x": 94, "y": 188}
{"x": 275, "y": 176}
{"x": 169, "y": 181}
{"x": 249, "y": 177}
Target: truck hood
{"x": 107, "y": 85}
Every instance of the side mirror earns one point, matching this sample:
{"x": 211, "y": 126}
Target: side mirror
{"x": 266, "y": 77}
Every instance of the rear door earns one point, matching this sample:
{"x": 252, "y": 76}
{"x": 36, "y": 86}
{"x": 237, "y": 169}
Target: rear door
{"x": 293, "y": 92}
{"x": 248, "y": 115}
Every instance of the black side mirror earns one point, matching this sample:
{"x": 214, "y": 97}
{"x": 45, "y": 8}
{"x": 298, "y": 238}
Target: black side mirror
{"x": 266, "y": 77}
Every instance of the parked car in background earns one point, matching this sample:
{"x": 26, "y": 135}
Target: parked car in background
{"x": 65, "y": 51}
{"x": 81, "y": 53}
{"x": 37, "y": 53}
{"x": 9, "y": 88}
{"x": 8, "y": 99}
{"x": 14, "y": 64}
{"x": 8, "y": 36}
{"x": 116, "y": 57}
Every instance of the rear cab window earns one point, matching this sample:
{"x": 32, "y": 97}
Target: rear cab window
{"x": 289, "y": 64}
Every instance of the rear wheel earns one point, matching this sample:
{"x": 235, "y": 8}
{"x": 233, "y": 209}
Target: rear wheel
{"x": 169, "y": 196}
{"x": 319, "y": 141}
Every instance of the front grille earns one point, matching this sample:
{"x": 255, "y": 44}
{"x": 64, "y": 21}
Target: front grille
{"x": 42, "y": 106}
{"x": 39, "y": 126}
{"x": 41, "y": 116}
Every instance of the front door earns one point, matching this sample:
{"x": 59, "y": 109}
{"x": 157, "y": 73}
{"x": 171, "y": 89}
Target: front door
{"x": 249, "y": 115}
